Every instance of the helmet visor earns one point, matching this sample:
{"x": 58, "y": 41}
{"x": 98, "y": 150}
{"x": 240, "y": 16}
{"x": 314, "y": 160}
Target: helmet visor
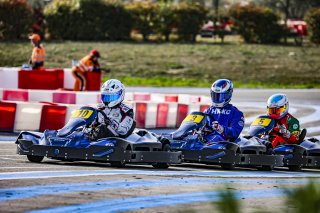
{"x": 110, "y": 97}
{"x": 219, "y": 97}
{"x": 277, "y": 111}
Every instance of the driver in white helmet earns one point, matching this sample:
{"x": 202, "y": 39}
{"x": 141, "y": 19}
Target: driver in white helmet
{"x": 115, "y": 119}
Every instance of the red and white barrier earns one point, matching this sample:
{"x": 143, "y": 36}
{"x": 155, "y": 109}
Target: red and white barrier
{"x": 71, "y": 97}
{"x": 9, "y": 77}
{"x": 49, "y": 79}
{"x": 17, "y": 116}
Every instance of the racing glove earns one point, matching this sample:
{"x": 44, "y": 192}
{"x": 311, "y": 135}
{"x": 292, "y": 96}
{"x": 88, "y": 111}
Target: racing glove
{"x": 283, "y": 130}
{"x": 216, "y": 126}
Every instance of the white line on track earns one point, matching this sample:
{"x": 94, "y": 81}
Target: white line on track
{"x": 203, "y": 173}
{"x": 12, "y": 159}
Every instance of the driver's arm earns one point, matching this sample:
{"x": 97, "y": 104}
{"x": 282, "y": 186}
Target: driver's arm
{"x": 126, "y": 125}
{"x": 236, "y": 126}
{"x": 294, "y": 129}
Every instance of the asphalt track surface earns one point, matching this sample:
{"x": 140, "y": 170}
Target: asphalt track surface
{"x": 60, "y": 186}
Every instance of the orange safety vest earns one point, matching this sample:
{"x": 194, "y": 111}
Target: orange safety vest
{"x": 38, "y": 54}
{"x": 86, "y": 64}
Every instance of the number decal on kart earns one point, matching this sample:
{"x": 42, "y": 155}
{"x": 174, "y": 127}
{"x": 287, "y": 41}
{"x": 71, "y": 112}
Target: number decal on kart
{"x": 81, "y": 113}
{"x": 261, "y": 122}
{"x": 193, "y": 118}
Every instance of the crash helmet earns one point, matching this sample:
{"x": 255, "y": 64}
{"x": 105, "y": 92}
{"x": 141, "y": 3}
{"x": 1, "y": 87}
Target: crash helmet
{"x": 95, "y": 53}
{"x": 112, "y": 93}
{"x": 221, "y": 92}
{"x": 277, "y": 106}
{"x": 35, "y": 37}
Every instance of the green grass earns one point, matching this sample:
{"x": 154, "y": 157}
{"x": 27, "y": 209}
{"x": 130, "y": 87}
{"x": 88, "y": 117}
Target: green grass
{"x": 178, "y": 64}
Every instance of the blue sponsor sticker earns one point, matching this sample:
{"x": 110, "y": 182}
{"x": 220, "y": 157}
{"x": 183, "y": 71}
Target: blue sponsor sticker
{"x": 241, "y": 123}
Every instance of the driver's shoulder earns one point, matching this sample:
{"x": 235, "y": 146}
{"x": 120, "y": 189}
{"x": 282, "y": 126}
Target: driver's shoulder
{"x": 125, "y": 108}
{"x": 101, "y": 106}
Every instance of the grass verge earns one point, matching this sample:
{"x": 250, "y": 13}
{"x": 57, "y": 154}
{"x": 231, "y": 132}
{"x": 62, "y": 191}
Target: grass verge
{"x": 178, "y": 64}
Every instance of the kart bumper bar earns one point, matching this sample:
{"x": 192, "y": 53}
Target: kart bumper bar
{"x": 230, "y": 157}
{"x": 98, "y": 153}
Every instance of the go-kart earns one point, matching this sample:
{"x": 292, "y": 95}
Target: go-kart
{"x": 304, "y": 154}
{"x": 73, "y": 142}
{"x": 247, "y": 151}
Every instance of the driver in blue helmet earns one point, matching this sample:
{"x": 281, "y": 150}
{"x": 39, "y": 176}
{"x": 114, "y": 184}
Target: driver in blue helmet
{"x": 115, "y": 119}
{"x": 225, "y": 122}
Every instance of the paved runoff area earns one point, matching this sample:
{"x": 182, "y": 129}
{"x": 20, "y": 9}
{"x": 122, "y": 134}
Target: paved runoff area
{"x": 61, "y": 186}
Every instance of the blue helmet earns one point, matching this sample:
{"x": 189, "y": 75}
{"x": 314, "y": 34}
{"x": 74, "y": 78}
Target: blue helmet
{"x": 221, "y": 92}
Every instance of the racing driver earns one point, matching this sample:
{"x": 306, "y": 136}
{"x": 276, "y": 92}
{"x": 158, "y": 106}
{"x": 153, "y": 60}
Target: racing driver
{"x": 225, "y": 122}
{"x": 287, "y": 128}
{"x": 115, "y": 119}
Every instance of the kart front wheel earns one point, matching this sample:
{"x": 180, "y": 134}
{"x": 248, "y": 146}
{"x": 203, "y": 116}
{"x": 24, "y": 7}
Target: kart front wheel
{"x": 166, "y": 148}
{"x": 35, "y": 159}
{"x": 266, "y": 168}
{"x": 269, "y": 151}
{"x": 294, "y": 168}
{"x": 227, "y": 166}
{"x": 117, "y": 164}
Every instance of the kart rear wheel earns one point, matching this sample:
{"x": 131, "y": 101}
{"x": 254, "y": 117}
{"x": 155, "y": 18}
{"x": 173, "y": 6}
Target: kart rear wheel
{"x": 118, "y": 164}
{"x": 166, "y": 148}
{"x": 35, "y": 159}
{"x": 266, "y": 168}
{"x": 227, "y": 166}
{"x": 294, "y": 168}
{"x": 269, "y": 151}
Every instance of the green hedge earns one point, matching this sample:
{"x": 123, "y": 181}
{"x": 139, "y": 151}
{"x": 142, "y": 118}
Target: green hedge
{"x": 145, "y": 18}
{"x": 313, "y": 20}
{"x": 15, "y": 19}
{"x": 257, "y": 24}
{"x": 87, "y": 20}
{"x": 166, "y": 20}
{"x": 190, "y": 18}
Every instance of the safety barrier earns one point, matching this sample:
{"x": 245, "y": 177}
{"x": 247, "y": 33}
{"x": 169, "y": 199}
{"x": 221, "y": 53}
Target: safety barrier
{"x": 71, "y": 97}
{"x": 17, "y": 116}
{"x": 48, "y": 79}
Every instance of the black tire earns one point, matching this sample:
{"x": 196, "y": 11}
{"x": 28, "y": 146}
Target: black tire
{"x": 269, "y": 151}
{"x": 118, "y": 164}
{"x": 227, "y": 166}
{"x": 35, "y": 159}
{"x": 266, "y": 168}
{"x": 166, "y": 148}
{"x": 295, "y": 168}
{"x": 62, "y": 159}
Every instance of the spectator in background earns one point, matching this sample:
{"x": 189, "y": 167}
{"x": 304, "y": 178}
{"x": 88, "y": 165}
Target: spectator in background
{"x": 38, "y": 52}
{"x": 88, "y": 63}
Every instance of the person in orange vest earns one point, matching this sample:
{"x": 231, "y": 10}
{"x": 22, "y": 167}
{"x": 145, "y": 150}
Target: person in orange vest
{"x": 38, "y": 52}
{"x": 88, "y": 63}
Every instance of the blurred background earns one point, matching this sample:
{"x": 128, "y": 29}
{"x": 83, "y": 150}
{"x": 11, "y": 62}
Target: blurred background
{"x": 260, "y": 43}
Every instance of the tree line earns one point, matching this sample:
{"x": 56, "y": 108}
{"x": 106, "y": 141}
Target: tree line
{"x": 114, "y": 20}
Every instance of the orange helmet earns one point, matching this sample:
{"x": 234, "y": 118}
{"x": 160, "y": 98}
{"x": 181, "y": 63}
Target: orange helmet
{"x": 95, "y": 53}
{"x": 35, "y": 37}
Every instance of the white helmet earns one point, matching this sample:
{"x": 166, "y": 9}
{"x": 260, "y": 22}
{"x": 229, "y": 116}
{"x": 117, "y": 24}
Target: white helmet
{"x": 278, "y": 106}
{"x": 112, "y": 92}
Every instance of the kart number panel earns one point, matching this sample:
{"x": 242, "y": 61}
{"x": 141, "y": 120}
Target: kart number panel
{"x": 82, "y": 113}
{"x": 193, "y": 118}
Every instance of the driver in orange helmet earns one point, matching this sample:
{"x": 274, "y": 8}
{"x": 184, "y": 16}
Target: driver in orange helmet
{"x": 38, "y": 52}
